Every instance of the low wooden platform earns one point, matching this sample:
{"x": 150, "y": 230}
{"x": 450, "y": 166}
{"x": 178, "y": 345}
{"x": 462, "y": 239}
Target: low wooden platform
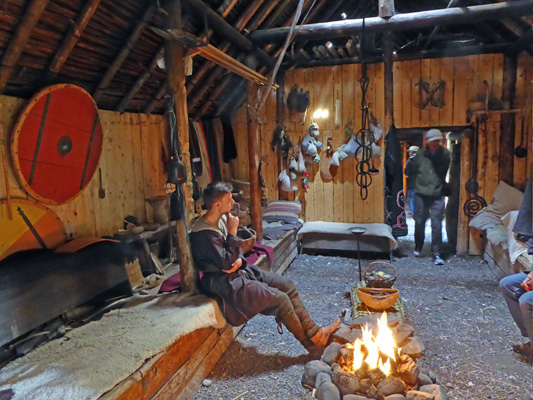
{"x": 179, "y": 371}
{"x": 498, "y": 260}
{"x": 285, "y": 250}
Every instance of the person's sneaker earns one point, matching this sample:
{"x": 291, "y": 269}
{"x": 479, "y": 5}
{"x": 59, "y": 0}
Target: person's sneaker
{"x": 416, "y": 253}
{"x": 438, "y": 260}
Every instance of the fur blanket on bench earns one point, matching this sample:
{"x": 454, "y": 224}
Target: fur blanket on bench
{"x": 90, "y": 360}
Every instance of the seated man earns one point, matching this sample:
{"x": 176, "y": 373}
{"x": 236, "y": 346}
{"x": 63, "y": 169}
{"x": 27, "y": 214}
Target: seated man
{"x": 517, "y": 290}
{"x": 242, "y": 290}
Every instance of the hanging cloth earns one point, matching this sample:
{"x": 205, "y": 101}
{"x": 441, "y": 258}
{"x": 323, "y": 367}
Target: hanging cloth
{"x": 230, "y": 148}
{"x": 209, "y": 133}
{"x": 196, "y": 154}
{"x": 394, "y": 196}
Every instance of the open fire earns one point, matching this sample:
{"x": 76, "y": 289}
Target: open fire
{"x": 379, "y": 363}
{"x": 372, "y": 349}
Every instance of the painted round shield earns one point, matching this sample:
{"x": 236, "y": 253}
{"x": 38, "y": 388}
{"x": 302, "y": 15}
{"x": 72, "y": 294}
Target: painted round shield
{"x": 57, "y": 143}
{"x": 32, "y": 226}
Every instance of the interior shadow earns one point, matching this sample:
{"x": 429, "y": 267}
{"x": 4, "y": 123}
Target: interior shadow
{"x": 247, "y": 361}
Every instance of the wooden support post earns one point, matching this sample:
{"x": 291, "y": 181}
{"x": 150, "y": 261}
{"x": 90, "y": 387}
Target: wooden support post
{"x": 253, "y": 146}
{"x": 386, "y": 8}
{"x": 16, "y": 46}
{"x": 466, "y": 173}
{"x": 175, "y": 64}
{"x": 507, "y": 122}
{"x": 389, "y": 81}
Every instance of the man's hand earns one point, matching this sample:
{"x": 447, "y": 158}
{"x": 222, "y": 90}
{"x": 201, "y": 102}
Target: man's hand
{"x": 528, "y": 282}
{"x": 233, "y": 224}
{"x": 235, "y": 266}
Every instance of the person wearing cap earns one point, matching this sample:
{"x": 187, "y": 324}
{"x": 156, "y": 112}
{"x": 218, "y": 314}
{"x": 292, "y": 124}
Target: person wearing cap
{"x": 411, "y": 178}
{"x": 430, "y": 165}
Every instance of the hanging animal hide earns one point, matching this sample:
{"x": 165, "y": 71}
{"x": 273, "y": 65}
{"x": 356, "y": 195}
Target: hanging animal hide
{"x": 292, "y": 99}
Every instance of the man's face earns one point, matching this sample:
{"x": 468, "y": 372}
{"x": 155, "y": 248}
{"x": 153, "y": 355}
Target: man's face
{"x": 226, "y": 203}
{"x": 433, "y": 145}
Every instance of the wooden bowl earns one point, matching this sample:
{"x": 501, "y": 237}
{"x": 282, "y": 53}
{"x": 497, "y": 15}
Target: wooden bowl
{"x": 377, "y": 298}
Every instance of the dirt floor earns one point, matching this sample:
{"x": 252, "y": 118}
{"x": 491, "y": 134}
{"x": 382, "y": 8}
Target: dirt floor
{"x": 456, "y": 309}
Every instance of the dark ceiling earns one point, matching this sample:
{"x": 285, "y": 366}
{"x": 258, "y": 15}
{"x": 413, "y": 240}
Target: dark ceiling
{"x": 109, "y": 47}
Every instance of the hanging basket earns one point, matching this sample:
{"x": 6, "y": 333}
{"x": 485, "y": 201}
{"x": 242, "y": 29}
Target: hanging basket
{"x": 378, "y": 299}
{"x": 380, "y": 274}
{"x": 247, "y": 237}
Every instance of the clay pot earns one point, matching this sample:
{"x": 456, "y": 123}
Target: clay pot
{"x": 160, "y": 206}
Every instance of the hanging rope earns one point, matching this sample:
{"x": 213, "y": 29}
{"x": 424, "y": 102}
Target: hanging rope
{"x": 364, "y": 136}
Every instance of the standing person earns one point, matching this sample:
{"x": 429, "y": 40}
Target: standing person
{"x": 411, "y": 177}
{"x": 517, "y": 291}
{"x": 242, "y": 290}
{"x": 430, "y": 165}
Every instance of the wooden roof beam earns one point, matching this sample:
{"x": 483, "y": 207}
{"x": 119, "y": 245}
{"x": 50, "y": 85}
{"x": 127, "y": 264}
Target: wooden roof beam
{"x": 141, "y": 80}
{"x": 259, "y": 17}
{"x": 407, "y": 21}
{"x": 452, "y": 3}
{"x": 225, "y": 8}
{"x": 239, "y": 25}
{"x": 224, "y": 83}
{"x": 18, "y": 42}
{"x": 524, "y": 43}
{"x": 254, "y": 23}
{"x": 123, "y": 53}
{"x": 460, "y": 51}
{"x": 156, "y": 98}
{"x": 70, "y": 40}
{"x": 224, "y": 29}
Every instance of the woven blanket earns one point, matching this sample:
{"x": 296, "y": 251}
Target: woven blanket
{"x": 360, "y": 310}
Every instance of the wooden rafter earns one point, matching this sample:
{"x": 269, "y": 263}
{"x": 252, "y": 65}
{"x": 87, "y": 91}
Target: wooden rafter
{"x": 239, "y": 25}
{"x": 407, "y": 21}
{"x": 215, "y": 74}
{"x": 156, "y": 98}
{"x": 260, "y": 16}
{"x": 225, "y": 82}
{"x": 435, "y": 53}
{"x": 71, "y": 39}
{"x": 141, "y": 79}
{"x": 224, "y": 29}
{"x": 123, "y": 53}
{"x": 22, "y": 35}
{"x": 521, "y": 44}
{"x": 226, "y": 7}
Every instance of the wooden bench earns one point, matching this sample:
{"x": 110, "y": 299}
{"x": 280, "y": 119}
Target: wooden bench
{"x": 180, "y": 370}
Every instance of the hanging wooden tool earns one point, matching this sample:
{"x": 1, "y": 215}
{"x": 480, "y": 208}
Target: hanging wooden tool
{"x": 475, "y": 203}
{"x": 6, "y": 177}
{"x": 57, "y": 143}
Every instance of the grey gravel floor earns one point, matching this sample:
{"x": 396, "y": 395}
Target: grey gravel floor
{"x": 456, "y": 309}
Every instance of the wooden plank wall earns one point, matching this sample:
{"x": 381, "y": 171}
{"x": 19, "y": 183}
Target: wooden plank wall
{"x": 131, "y": 170}
{"x": 339, "y": 200}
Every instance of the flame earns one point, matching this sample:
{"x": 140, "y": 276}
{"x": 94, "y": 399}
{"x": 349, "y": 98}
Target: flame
{"x": 383, "y": 342}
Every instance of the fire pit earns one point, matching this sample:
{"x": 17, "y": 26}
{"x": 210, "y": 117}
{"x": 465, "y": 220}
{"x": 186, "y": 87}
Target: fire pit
{"x": 378, "y": 364}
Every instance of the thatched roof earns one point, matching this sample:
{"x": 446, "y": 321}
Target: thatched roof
{"x": 109, "y": 47}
